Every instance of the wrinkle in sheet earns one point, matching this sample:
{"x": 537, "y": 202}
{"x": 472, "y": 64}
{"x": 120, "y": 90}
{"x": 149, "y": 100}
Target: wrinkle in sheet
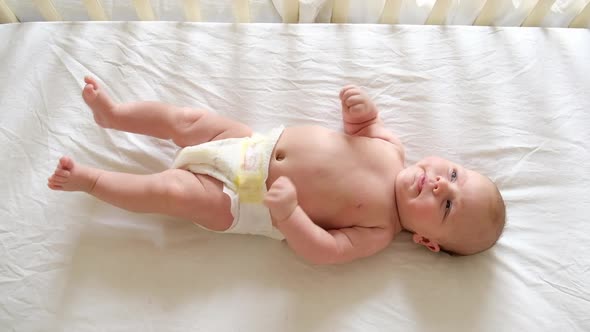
{"x": 70, "y": 63}
{"x": 577, "y": 293}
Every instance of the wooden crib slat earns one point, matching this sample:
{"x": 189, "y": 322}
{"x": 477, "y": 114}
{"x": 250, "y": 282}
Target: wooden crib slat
{"x": 47, "y": 10}
{"x": 537, "y": 15}
{"x": 192, "y": 10}
{"x": 583, "y": 18}
{"x": 488, "y": 13}
{"x": 390, "y": 13}
{"x": 438, "y": 14}
{"x": 6, "y": 15}
{"x": 144, "y": 10}
{"x": 340, "y": 11}
{"x": 95, "y": 10}
{"x": 291, "y": 11}
{"x": 242, "y": 11}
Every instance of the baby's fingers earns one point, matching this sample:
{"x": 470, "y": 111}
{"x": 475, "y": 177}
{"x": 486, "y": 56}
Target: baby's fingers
{"x": 282, "y": 182}
{"x": 354, "y": 100}
{"x": 345, "y": 89}
{"x": 271, "y": 199}
{"x": 350, "y": 93}
{"x": 357, "y": 108}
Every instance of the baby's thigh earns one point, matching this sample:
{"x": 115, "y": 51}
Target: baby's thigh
{"x": 200, "y": 199}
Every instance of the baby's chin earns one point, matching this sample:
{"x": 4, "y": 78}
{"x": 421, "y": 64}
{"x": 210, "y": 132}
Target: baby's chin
{"x": 401, "y": 188}
{"x": 405, "y": 177}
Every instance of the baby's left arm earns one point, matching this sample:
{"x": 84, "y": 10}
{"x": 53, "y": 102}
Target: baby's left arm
{"x": 312, "y": 242}
{"x": 361, "y": 116}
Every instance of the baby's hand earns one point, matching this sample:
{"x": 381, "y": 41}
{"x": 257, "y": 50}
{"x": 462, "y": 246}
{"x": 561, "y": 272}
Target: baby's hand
{"x": 354, "y": 101}
{"x": 281, "y": 199}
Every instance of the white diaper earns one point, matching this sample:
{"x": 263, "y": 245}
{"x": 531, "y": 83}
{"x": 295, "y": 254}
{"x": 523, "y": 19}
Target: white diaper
{"x": 242, "y": 165}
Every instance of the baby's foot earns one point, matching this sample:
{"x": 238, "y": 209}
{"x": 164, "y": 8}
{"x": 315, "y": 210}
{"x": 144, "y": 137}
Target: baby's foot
{"x": 69, "y": 176}
{"x": 99, "y": 102}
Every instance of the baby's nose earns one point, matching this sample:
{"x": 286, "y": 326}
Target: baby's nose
{"x": 440, "y": 183}
{"x": 436, "y": 181}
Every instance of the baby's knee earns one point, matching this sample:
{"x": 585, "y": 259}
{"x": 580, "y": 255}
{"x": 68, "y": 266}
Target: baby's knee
{"x": 184, "y": 125}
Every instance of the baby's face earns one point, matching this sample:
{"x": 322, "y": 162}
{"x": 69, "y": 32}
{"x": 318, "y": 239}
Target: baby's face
{"x": 442, "y": 201}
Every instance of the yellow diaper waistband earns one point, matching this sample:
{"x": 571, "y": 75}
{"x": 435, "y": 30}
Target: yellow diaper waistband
{"x": 251, "y": 176}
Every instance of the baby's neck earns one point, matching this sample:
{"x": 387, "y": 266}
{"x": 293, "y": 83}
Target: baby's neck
{"x": 398, "y": 222}
{"x": 398, "y": 225}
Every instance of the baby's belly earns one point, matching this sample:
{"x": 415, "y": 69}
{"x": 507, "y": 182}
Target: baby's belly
{"x": 307, "y": 155}
{"x": 337, "y": 185}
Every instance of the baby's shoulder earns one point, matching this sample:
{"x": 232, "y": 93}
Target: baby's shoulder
{"x": 392, "y": 148}
{"x": 397, "y": 145}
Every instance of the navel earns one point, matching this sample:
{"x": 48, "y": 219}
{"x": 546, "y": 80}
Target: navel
{"x": 279, "y": 155}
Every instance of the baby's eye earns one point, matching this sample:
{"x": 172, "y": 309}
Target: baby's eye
{"x": 453, "y": 175}
{"x": 448, "y": 208}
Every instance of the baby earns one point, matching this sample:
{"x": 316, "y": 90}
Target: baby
{"x": 335, "y": 197}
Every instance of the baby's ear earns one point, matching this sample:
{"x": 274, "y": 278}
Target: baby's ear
{"x": 431, "y": 245}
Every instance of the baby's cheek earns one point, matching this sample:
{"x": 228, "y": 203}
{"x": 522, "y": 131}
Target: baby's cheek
{"x": 418, "y": 211}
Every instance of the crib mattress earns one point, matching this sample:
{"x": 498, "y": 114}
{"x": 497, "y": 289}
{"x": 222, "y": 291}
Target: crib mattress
{"x": 512, "y": 103}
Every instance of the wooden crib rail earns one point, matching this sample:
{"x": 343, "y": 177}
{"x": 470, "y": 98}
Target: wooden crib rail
{"x": 6, "y": 15}
{"x": 491, "y": 12}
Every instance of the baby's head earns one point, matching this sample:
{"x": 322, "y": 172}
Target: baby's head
{"x": 449, "y": 207}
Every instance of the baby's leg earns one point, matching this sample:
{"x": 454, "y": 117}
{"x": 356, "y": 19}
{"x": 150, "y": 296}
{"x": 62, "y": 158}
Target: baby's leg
{"x": 175, "y": 192}
{"x": 185, "y": 126}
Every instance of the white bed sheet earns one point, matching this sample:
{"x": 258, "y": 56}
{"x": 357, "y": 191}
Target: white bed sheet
{"x": 510, "y": 102}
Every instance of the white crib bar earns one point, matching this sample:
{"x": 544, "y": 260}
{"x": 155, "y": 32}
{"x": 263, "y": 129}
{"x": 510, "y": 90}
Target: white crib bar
{"x": 47, "y": 10}
{"x": 242, "y": 11}
{"x": 95, "y": 10}
{"x": 537, "y": 15}
{"x": 390, "y": 13}
{"x": 144, "y": 10}
{"x": 192, "y": 10}
{"x": 6, "y": 15}
{"x": 583, "y": 18}
{"x": 438, "y": 14}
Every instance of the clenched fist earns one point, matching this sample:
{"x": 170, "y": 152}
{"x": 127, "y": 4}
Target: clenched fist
{"x": 355, "y": 101}
{"x": 281, "y": 199}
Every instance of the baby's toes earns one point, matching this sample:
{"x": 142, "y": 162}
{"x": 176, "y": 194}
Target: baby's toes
{"x": 90, "y": 80}
{"x": 89, "y": 93}
{"x": 54, "y": 186}
{"x": 66, "y": 163}
{"x": 56, "y": 179}
{"x": 62, "y": 173}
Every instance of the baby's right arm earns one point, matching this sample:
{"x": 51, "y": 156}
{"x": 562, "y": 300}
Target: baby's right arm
{"x": 312, "y": 242}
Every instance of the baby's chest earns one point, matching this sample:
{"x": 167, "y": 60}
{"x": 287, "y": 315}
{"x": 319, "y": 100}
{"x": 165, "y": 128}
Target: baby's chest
{"x": 355, "y": 208}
